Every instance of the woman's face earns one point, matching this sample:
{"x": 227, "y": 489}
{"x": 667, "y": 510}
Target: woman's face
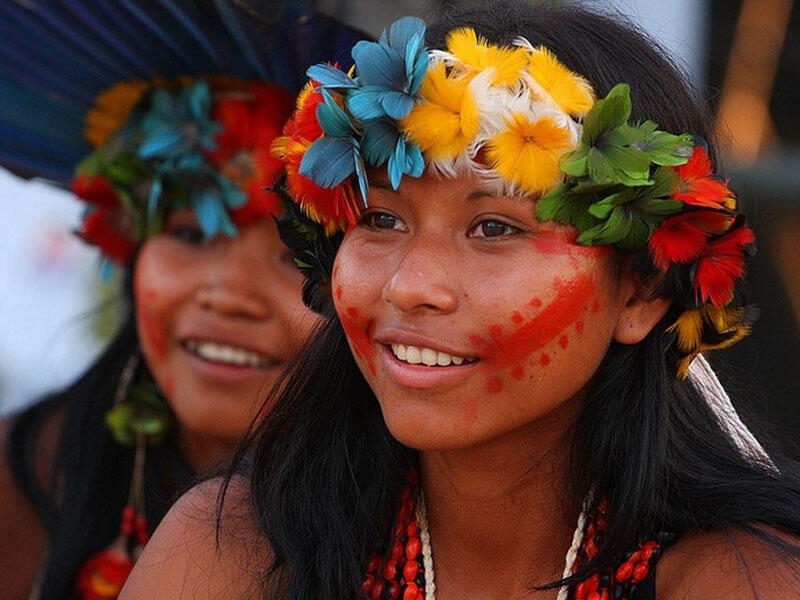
{"x": 468, "y": 317}
{"x": 217, "y": 321}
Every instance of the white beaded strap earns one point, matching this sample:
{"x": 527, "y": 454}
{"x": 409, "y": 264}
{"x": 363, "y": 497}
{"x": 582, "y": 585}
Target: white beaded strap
{"x": 427, "y": 555}
{"x": 705, "y": 380}
{"x": 577, "y": 540}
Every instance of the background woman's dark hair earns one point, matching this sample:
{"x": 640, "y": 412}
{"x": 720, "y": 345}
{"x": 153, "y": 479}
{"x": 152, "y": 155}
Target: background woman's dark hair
{"x": 81, "y": 503}
{"x": 326, "y": 473}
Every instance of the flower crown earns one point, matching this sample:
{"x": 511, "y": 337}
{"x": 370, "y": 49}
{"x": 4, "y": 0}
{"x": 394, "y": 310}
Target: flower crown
{"x": 201, "y": 144}
{"x": 524, "y": 124}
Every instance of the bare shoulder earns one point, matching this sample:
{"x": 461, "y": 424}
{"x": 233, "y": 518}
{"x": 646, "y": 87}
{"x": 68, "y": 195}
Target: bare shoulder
{"x": 21, "y": 529}
{"x": 193, "y": 556}
{"x": 729, "y": 565}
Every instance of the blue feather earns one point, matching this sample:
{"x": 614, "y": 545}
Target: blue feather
{"x": 328, "y": 161}
{"x": 331, "y": 77}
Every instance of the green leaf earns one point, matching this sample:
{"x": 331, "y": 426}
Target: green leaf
{"x": 607, "y": 113}
{"x": 575, "y": 163}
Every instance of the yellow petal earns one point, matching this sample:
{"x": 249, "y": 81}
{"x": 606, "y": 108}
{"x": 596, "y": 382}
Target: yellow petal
{"x": 111, "y": 110}
{"x": 477, "y": 54}
{"x": 444, "y": 122}
{"x": 571, "y": 92}
{"x": 527, "y": 153}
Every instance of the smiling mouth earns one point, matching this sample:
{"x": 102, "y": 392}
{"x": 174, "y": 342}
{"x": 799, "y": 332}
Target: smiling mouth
{"x": 416, "y": 355}
{"x": 229, "y": 355}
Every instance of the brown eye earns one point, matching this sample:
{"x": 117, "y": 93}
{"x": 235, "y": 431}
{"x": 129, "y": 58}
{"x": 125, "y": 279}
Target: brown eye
{"x": 382, "y": 220}
{"x": 493, "y": 228}
{"x": 188, "y": 234}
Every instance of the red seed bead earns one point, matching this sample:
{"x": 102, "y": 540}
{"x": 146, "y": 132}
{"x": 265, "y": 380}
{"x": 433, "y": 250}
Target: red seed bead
{"x": 394, "y": 590}
{"x": 593, "y": 596}
{"x": 593, "y": 583}
{"x": 389, "y": 570}
{"x": 590, "y": 548}
{"x": 640, "y": 572}
{"x": 624, "y": 572}
{"x": 413, "y": 548}
{"x": 397, "y": 550}
{"x": 411, "y": 592}
{"x": 635, "y": 557}
{"x": 580, "y": 591}
{"x": 410, "y": 570}
{"x": 374, "y": 564}
{"x": 369, "y": 580}
{"x": 411, "y": 530}
{"x": 377, "y": 590}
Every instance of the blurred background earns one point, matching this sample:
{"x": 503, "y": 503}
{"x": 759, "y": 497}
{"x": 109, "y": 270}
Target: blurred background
{"x": 742, "y": 55}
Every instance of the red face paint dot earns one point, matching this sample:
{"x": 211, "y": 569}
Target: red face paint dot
{"x": 339, "y": 293}
{"x": 495, "y": 385}
{"x": 535, "y": 303}
{"x": 518, "y": 372}
{"x": 544, "y": 360}
{"x": 579, "y": 326}
{"x": 517, "y": 318}
{"x": 352, "y": 311}
{"x": 476, "y": 340}
{"x": 495, "y": 331}
{"x": 563, "y": 341}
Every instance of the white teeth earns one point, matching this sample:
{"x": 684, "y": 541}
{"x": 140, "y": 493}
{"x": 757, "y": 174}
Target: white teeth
{"x": 222, "y": 353}
{"x": 414, "y": 355}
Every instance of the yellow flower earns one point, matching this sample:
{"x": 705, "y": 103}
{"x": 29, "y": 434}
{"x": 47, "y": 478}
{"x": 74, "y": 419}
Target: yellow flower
{"x": 527, "y": 153}
{"x": 571, "y": 92}
{"x": 477, "y": 54}
{"x": 446, "y": 119}
{"x": 111, "y": 109}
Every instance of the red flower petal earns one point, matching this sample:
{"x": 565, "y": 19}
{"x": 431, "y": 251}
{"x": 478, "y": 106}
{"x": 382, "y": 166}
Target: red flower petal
{"x": 95, "y": 190}
{"x": 698, "y": 186}
{"x": 722, "y": 265}
{"x": 100, "y": 229}
{"x": 683, "y": 238}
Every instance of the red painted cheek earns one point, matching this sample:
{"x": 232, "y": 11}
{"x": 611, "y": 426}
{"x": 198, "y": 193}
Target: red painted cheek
{"x": 356, "y": 331}
{"x": 565, "y": 309}
{"x": 495, "y": 385}
{"x": 153, "y": 334}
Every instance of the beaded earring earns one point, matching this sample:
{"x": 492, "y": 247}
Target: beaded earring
{"x": 140, "y": 417}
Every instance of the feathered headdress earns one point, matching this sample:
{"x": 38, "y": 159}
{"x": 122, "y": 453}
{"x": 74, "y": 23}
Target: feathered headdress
{"x": 141, "y": 107}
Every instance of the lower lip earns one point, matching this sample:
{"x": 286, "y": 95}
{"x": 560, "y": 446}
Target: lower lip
{"x": 422, "y": 377}
{"x": 228, "y": 373}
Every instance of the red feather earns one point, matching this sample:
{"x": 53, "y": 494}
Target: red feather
{"x": 699, "y": 187}
{"x": 684, "y": 238}
{"x": 722, "y": 265}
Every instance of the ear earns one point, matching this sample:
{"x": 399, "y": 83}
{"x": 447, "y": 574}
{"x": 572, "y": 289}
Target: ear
{"x": 638, "y": 317}
{"x": 643, "y": 309}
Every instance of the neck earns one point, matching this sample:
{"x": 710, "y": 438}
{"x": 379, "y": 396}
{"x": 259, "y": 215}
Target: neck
{"x": 204, "y": 454}
{"x": 511, "y": 495}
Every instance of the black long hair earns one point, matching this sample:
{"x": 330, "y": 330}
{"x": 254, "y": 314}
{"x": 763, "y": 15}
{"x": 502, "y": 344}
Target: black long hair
{"x": 326, "y": 473}
{"x": 80, "y": 504}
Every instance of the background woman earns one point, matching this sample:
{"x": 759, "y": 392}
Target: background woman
{"x": 512, "y": 393}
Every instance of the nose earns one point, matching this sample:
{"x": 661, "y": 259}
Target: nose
{"x": 237, "y": 282}
{"x": 425, "y": 279}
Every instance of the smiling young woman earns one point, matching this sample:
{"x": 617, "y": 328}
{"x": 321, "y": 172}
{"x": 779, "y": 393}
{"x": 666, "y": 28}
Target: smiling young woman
{"x": 522, "y": 250}
{"x": 175, "y": 197}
